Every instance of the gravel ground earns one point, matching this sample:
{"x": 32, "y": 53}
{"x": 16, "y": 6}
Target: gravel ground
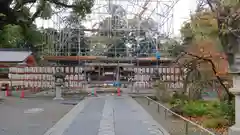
{"x": 31, "y": 116}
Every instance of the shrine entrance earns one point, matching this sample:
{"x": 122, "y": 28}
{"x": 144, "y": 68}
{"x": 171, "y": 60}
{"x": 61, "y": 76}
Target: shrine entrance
{"x": 138, "y": 73}
{"x": 100, "y": 73}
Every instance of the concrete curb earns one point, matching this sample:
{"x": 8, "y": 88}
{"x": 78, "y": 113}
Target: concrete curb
{"x": 66, "y": 120}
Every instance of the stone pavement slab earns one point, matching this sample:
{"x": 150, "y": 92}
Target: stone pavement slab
{"x": 29, "y": 116}
{"x": 87, "y": 121}
{"x": 108, "y": 115}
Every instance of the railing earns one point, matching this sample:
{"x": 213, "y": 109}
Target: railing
{"x": 198, "y": 130}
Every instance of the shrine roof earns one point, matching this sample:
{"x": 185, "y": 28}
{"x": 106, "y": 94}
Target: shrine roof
{"x": 11, "y": 55}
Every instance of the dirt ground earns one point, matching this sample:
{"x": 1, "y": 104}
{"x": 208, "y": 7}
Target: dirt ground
{"x": 31, "y": 116}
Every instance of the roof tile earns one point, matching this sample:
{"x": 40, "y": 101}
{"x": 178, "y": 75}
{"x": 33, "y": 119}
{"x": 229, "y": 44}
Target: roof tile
{"x": 14, "y": 56}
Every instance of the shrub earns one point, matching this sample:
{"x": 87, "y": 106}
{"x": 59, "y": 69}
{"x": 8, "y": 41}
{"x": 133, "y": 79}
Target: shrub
{"x": 177, "y": 109}
{"x": 176, "y": 106}
{"x": 180, "y": 96}
{"x": 178, "y": 99}
{"x": 222, "y": 109}
{"x": 213, "y": 109}
{"x": 165, "y": 97}
{"x": 201, "y": 107}
{"x": 214, "y": 113}
{"x": 194, "y": 108}
{"x": 228, "y": 110}
{"x": 161, "y": 91}
{"x": 219, "y": 114}
{"x": 176, "y": 102}
{"x": 215, "y": 123}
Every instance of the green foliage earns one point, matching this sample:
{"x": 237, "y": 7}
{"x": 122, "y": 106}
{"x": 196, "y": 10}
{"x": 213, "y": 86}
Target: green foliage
{"x": 195, "y": 108}
{"x": 177, "y": 103}
{"x": 171, "y": 46}
{"x": 83, "y": 7}
{"x": 180, "y": 96}
{"x": 80, "y": 7}
{"x": 178, "y": 99}
{"x": 230, "y": 3}
{"x": 217, "y": 26}
{"x": 19, "y": 12}
{"x": 34, "y": 36}
{"x": 228, "y": 110}
{"x": 26, "y": 11}
{"x": 175, "y": 50}
{"x": 186, "y": 30}
{"x": 10, "y": 36}
{"x": 202, "y": 26}
{"x": 46, "y": 11}
{"x": 218, "y": 113}
{"x": 200, "y": 108}
{"x": 214, "y": 110}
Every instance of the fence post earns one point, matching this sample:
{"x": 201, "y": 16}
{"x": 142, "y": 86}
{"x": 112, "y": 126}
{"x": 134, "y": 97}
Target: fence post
{"x": 158, "y": 108}
{"x": 186, "y": 128}
{"x": 165, "y": 113}
{"x": 148, "y": 101}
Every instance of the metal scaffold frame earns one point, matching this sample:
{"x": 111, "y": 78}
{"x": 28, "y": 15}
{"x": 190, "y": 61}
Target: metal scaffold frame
{"x": 116, "y": 32}
{"x": 110, "y": 21}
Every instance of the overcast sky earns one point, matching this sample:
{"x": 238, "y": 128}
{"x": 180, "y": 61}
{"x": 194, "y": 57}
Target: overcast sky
{"x": 181, "y": 13}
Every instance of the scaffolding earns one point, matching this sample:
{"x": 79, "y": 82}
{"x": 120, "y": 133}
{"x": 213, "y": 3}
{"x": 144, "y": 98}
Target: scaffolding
{"x": 117, "y": 33}
{"x": 115, "y": 28}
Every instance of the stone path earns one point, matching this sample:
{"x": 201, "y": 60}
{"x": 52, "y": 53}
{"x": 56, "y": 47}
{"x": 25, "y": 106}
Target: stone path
{"x": 107, "y": 115}
{"x": 32, "y": 116}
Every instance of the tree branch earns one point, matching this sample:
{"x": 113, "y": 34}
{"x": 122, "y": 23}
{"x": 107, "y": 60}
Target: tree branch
{"x": 230, "y": 97}
{"x": 210, "y": 5}
{"x": 37, "y": 12}
{"x": 41, "y": 7}
{"x": 57, "y": 2}
{"x": 21, "y": 3}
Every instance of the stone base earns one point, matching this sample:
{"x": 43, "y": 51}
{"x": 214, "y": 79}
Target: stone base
{"x": 58, "y": 98}
{"x": 234, "y": 130}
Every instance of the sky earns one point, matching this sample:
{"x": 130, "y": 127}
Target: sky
{"x": 181, "y": 12}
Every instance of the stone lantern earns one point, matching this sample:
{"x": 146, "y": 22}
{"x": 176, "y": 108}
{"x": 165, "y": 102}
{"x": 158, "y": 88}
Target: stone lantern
{"x": 59, "y": 82}
{"x": 234, "y": 69}
{"x": 155, "y": 76}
